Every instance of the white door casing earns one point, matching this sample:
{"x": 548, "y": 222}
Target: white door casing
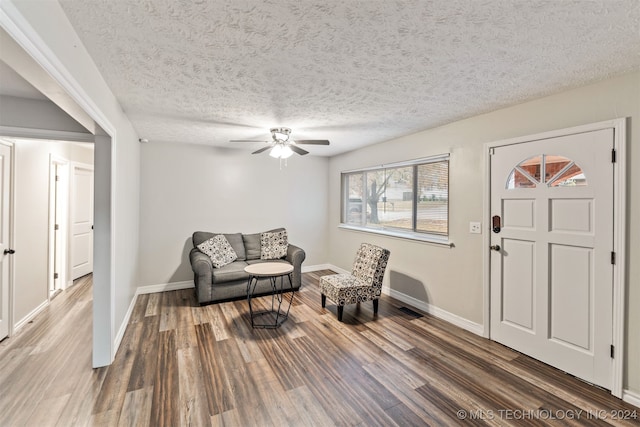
{"x": 58, "y": 215}
{"x": 551, "y": 279}
{"x": 5, "y": 240}
{"x": 81, "y": 208}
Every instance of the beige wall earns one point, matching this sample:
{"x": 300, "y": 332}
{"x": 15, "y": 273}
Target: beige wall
{"x": 186, "y": 188}
{"x": 31, "y": 223}
{"x": 451, "y": 279}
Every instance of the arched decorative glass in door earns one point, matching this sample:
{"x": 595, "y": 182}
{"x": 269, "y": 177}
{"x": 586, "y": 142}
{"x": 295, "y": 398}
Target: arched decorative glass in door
{"x": 548, "y": 169}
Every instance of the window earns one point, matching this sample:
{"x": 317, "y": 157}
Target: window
{"x": 559, "y": 171}
{"x": 409, "y": 199}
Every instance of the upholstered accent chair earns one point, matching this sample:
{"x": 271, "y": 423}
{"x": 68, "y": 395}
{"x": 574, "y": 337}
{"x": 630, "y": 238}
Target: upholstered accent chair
{"x": 364, "y": 283}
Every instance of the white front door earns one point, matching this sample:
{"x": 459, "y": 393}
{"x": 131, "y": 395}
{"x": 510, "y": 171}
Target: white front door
{"x": 551, "y": 266}
{"x": 5, "y": 200}
{"x": 81, "y": 221}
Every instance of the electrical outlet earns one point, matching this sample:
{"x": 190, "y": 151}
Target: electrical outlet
{"x": 475, "y": 227}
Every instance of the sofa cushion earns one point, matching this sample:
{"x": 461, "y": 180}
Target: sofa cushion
{"x": 235, "y": 240}
{"x": 230, "y": 273}
{"x": 219, "y": 250}
{"x": 274, "y": 245}
{"x": 252, "y": 245}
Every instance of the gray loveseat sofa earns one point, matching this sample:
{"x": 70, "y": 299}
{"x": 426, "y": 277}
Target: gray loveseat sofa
{"x": 229, "y": 282}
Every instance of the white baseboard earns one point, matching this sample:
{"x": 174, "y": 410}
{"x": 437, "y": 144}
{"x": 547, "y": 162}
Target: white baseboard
{"x": 631, "y": 397}
{"x": 334, "y": 268}
{"x": 317, "y": 267}
{"x": 164, "y": 287}
{"x": 454, "y": 319}
{"x": 26, "y": 319}
{"x": 124, "y": 324}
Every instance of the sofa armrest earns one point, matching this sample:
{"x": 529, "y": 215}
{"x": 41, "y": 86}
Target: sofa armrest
{"x": 202, "y": 271}
{"x": 200, "y": 262}
{"x": 296, "y": 256}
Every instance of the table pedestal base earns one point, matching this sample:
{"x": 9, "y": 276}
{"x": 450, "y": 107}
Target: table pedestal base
{"x": 276, "y": 315}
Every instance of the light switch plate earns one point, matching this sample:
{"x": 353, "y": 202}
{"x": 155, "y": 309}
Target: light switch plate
{"x": 475, "y": 227}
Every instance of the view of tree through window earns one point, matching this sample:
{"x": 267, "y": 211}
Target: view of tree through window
{"x": 412, "y": 197}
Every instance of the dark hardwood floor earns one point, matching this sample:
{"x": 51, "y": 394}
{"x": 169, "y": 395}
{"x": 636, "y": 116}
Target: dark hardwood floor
{"x": 180, "y": 364}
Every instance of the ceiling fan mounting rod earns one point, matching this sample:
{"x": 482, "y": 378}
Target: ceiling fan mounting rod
{"x": 285, "y": 132}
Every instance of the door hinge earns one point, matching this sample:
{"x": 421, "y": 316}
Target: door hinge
{"x": 491, "y": 151}
{"x": 55, "y": 275}
{"x": 612, "y": 350}
{"x": 56, "y": 227}
{"x": 613, "y": 155}
{"x": 613, "y": 258}
{"x": 57, "y": 178}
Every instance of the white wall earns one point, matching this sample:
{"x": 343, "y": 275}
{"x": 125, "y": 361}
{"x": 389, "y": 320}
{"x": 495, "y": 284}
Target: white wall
{"x": 187, "y": 188}
{"x": 31, "y": 223}
{"x": 81, "y": 153}
{"x": 451, "y": 279}
{"x": 53, "y": 40}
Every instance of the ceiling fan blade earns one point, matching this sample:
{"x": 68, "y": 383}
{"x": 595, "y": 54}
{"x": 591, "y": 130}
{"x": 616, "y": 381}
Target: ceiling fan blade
{"x": 312, "y": 141}
{"x": 261, "y": 150}
{"x": 298, "y": 150}
{"x": 246, "y": 140}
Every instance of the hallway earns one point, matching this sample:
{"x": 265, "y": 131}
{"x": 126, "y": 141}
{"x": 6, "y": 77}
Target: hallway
{"x": 45, "y": 369}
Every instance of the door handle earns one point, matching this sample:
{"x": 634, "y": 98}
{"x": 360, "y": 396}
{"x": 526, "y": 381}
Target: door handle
{"x": 495, "y": 248}
{"x": 9, "y": 251}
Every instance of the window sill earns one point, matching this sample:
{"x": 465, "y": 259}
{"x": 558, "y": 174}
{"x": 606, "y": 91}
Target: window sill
{"x": 425, "y": 238}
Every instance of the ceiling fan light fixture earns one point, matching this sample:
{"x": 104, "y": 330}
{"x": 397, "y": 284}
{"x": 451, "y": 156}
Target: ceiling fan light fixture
{"x": 281, "y": 151}
{"x": 286, "y": 152}
{"x": 276, "y": 151}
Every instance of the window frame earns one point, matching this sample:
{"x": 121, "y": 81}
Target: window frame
{"x": 413, "y": 233}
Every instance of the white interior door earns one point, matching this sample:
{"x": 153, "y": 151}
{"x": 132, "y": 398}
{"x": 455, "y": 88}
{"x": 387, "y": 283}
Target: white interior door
{"x": 5, "y": 200}
{"x": 58, "y": 223}
{"x": 551, "y": 267}
{"x": 81, "y": 221}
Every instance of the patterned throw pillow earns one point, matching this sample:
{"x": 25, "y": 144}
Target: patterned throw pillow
{"x": 274, "y": 245}
{"x": 219, "y": 250}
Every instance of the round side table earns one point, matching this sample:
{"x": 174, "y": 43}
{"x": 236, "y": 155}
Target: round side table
{"x": 274, "y": 317}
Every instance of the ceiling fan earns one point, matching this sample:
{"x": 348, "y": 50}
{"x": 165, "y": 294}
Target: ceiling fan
{"x": 281, "y": 145}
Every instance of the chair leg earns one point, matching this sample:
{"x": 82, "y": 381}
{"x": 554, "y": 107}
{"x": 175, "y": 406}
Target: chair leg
{"x": 324, "y": 299}
{"x": 340, "y": 310}
{"x": 375, "y": 306}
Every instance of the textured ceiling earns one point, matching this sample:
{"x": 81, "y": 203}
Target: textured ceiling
{"x": 356, "y": 72}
